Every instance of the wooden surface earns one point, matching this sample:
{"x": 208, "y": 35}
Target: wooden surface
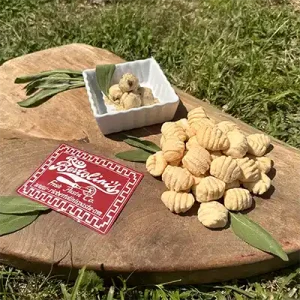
{"x": 146, "y": 237}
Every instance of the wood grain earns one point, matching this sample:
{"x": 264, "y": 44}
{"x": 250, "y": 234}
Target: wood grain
{"x": 146, "y": 237}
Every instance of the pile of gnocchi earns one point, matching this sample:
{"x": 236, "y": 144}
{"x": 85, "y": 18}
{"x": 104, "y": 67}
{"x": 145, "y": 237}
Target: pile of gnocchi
{"x": 129, "y": 94}
{"x": 214, "y": 164}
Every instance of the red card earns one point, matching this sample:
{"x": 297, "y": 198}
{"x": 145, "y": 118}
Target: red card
{"x": 90, "y": 189}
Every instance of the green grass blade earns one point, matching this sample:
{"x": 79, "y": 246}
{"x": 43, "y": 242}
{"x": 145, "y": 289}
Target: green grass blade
{"x": 134, "y": 155}
{"x": 19, "y": 205}
{"x": 28, "y": 78}
{"x": 77, "y": 284}
{"x": 255, "y": 235}
{"x": 142, "y": 144}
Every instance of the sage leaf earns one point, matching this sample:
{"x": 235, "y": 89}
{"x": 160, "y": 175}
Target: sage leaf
{"x": 255, "y": 235}
{"x": 28, "y": 78}
{"x": 19, "y": 205}
{"x": 104, "y": 74}
{"x": 138, "y": 143}
{"x": 40, "y": 97}
{"x": 12, "y": 223}
{"x": 134, "y": 155}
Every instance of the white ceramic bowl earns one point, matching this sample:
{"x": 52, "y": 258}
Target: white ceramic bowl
{"x": 150, "y": 75}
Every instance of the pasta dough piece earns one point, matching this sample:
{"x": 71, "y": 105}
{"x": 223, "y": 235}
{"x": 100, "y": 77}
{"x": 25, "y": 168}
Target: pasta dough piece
{"x": 162, "y": 141}
{"x": 156, "y": 164}
{"x": 173, "y": 149}
{"x": 258, "y": 143}
{"x": 128, "y": 83}
{"x": 227, "y": 126}
{"x": 196, "y": 182}
{"x": 197, "y": 160}
{"x": 177, "y": 179}
{"x": 212, "y": 138}
{"x": 177, "y": 202}
{"x": 209, "y": 188}
{"x": 195, "y": 114}
{"x": 184, "y": 124}
{"x": 225, "y": 168}
{"x": 213, "y": 214}
{"x": 192, "y": 142}
{"x": 264, "y": 163}
{"x": 260, "y": 186}
{"x": 249, "y": 168}
{"x": 238, "y": 145}
{"x": 172, "y": 130}
{"x": 237, "y": 199}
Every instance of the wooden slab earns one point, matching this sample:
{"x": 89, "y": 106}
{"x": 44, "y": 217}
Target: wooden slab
{"x": 146, "y": 239}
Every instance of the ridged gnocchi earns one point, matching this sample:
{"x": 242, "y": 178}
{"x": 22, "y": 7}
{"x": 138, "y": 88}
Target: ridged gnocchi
{"x": 196, "y": 160}
{"x": 184, "y": 124}
{"x": 209, "y": 188}
{"x": 173, "y": 149}
{"x": 213, "y": 214}
{"x": 225, "y": 168}
{"x": 171, "y": 130}
{"x": 177, "y": 202}
{"x": 212, "y": 138}
{"x": 227, "y": 126}
{"x": 260, "y": 186}
{"x": 156, "y": 164}
{"x": 192, "y": 142}
{"x": 258, "y": 143}
{"x": 237, "y": 199}
{"x": 249, "y": 169}
{"x": 195, "y": 114}
{"x": 238, "y": 145}
{"x": 177, "y": 178}
{"x": 264, "y": 163}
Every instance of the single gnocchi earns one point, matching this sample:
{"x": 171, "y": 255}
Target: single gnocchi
{"x": 260, "y": 186}
{"x": 264, "y": 163}
{"x": 249, "y": 169}
{"x": 177, "y": 202}
{"x": 128, "y": 83}
{"x": 197, "y": 160}
{"x": 258, "y": 143}
{"x": 237, "y": 199}
{"x": 195, "y": 114}
{"x": 227, "y": 126}
{"x": 225, "y": 168}
{"x": 184, "y": 124}
{"x": 213, "y": 214}
{"x": 171, "y": 130}
{"x": 173, "y": 149}
{"x": 177, "y": 178}
{"x": 192, "y": 142}
{"x": 156, "y": 164}
{"x": 209, "y": 188}
{"x": 212, "y": 138}
{"x": 238, "y": 145}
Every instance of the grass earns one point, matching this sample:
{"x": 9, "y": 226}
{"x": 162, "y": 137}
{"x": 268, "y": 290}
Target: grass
{"x": 243, "y": 56}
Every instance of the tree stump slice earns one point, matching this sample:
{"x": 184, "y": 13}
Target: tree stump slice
{"x": 146, "y": 239}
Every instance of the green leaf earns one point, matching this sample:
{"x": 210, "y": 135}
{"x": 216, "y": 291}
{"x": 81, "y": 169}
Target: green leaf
{"x": 138, "y": 143}
{"x": 134, "y": 155}
{"x": 40, "y": 97}
{"x": 28, "y": 78}
{"x": 19, "y": 205}
{"x": 12, "y": 223}
{"x": 91, "y": 282}
{"x": 104, "y": 74}
{"x": 255, "y": 235}
{"x": 77, "y": 284}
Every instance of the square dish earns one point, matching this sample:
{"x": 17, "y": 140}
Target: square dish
{"x": 150, "y": 75}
